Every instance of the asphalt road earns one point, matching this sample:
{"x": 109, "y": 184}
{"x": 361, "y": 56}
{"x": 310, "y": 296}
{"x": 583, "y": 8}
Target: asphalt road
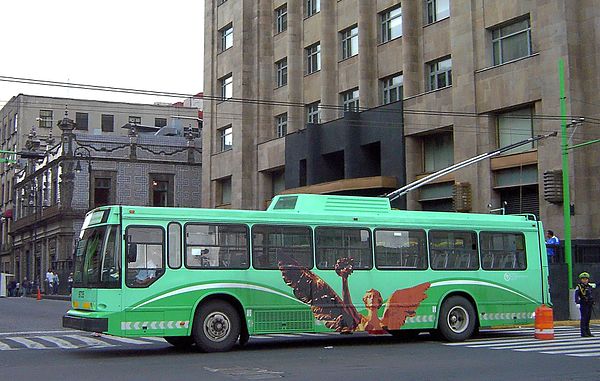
{"x": 50, "y": 353}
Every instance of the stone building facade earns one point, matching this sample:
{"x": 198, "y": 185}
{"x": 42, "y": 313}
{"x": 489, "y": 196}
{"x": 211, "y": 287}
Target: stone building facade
{"x": 472, "y": 76}
{"x": 101, "y": 120}
{"x": 53, "y": 196}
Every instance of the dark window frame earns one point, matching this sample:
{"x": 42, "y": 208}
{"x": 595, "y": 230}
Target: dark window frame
{"x": 331, "y": 227}
{"x": 311, "y": 241}
{"x": 82, "y": 116}
{"x": 481, "y": 251}
{"x": 180, "y": 254}
{"x": 395, "y": 228}
{"x": 164, "y": 259}
{"x": 430, "y": 249}
{"x": 185, "y": 246}
{"x": 169, "y": 178}
{"x": 105, "y": 120}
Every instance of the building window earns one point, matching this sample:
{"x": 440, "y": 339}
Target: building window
{"x": 312, "y": 112}
{"x": 281, "y": 121}
{"x": 226, "y": 138}
{"x": 108, "y": 123}
{"x": 515, "y": 126}
{"x": 438, "y": 151}
{"x": 45, "y": 119}
{"x": 391, "y": 88}
{"x": 391, "y": 24}
{"x": 281, "y": 19}
{"x": 437, "y": 10}
{"x": 440, "y": 73}
{"x": 349, "y": 38}
{"x": 81, "y": 121}
{"x": 161, "y": 190}
{"x": 511, "y": 42}
{"x": 224, "y": 191}
{"x": 160, "y": 122}
{"x": 312, "y": 7}
{"x": 135, "y": 120}
{"x": 226, "y": 37}
{"x": 281, "y": 70}
{"x": 350, "y": 100}
{"x": 313, "y": 58}
{"x": 226, "y": 85}
{"x": 102, "y": 191}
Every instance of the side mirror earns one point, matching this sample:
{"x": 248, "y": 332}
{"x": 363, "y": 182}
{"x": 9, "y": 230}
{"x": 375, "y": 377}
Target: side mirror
{"x": 131, "y": 252}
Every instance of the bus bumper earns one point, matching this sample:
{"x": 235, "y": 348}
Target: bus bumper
{"x": 85, "y": 324}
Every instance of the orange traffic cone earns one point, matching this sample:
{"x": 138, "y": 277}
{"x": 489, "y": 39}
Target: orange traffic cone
{"x": 39, "y": 294}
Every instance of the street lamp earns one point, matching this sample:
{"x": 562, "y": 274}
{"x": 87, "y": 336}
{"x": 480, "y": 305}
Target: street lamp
{"x": 83, "y": 153}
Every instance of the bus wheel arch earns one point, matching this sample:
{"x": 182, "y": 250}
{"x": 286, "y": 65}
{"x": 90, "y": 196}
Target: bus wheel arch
{"x": 458, "y": 317}
{"x": 230, "y": 300}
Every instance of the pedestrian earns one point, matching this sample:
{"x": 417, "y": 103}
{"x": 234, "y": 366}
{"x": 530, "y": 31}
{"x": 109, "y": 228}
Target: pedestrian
{"x": 552, "y": 243}
{"x": 12, "y": 285}
{"x": 25, "y": 287}
{"x": 70, "y": 282}
{"x": 56, "y": 282}
{"x": 585, "y": 300}
{"x": 49, "y": 282}
{"x": 17, "y": 288}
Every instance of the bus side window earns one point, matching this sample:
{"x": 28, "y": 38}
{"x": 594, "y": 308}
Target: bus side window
{"x": 453, "y": 250}
{"x": 335, "y": 243}
{"x": 149, "y": 262}
{"x": 174, "y": 245}
{"x": 216, "y": 246}
{"x": 503, "y": 251}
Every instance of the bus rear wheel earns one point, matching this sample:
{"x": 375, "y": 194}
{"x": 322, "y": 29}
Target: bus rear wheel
{"x": 182, "y": 342}
{"x": 457, "y": 319}
{"x": 216, "y": 327}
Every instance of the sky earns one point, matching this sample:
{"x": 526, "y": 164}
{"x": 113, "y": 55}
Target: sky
{"x": 141, "y": 44}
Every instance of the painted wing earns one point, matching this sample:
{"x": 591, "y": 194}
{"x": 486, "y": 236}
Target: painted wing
{"x": 325, "y": 303}
{"x": 403, "y": 304}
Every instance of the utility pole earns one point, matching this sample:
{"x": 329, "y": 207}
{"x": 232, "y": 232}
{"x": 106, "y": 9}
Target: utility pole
{"x": 565, "y": 172}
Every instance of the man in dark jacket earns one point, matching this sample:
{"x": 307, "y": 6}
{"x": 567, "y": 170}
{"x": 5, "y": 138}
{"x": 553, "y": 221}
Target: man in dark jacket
{"x": 585, "y": 300}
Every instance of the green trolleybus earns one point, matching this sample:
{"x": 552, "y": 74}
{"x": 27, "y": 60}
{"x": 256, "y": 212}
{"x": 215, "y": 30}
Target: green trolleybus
{"x": 310, "y": 263}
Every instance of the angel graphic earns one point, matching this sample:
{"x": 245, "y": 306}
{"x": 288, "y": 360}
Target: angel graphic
{"x": 340, "y": 314}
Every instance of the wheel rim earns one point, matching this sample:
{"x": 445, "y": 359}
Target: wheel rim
{"x": 458, "y": 319}
{"x": 217, "y": 326}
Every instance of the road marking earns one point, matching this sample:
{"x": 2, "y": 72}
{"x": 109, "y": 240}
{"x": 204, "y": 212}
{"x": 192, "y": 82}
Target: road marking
{"x": 6, "y": 347}
{"x": 28, "y": 343}
{"x": 58, "y": 342}
{"x": 35, "y": 332}
{"x": 572, "y": 350}
{"x": 90, "y": 341}
{"x": 283, "y": 335}
{"x": 125, "y": 340}
{"x": 156, "y": 339}
{"x": 584, "y": 354}
{"x": 313, "y": 334}
{"x": 261, "y": 337}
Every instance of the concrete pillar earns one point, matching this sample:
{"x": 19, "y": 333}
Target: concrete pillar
{"x": 411, "y": 29}
{"x": 367, "y": 54}
{"x": 295, "y": 65}
{"x": 329, "y": 58}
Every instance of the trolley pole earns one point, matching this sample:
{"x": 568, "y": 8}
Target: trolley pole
{"x": 565, "y": 172}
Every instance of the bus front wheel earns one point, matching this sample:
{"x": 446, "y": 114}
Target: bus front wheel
{"x": 216, "y": 326}
{"x": 457, "y": 319}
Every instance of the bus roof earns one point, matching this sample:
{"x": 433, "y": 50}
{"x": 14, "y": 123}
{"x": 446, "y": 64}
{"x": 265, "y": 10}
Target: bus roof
{"x": 311, "y": 208}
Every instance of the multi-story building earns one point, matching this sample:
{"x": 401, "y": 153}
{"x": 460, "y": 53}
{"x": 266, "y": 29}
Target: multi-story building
{"x": 472, "y": 76}
{"x": 102, "y": 119}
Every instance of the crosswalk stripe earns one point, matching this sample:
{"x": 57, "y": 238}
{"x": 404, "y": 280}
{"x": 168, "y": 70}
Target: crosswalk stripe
{"x": 156, "y": 339}
{"x": 27, "y": 343}
{"x": 260, "y": 337}
{"x": 90, "y": 341}
{"x": 58, "y": 342}
{"x": 6, "y": 347}
{"x": 518, "y": 343}
{"x": 547, "y": 347}
{"x": 592, "y": 354}
{"x": 571, "y": 350}
{"x": 283, "y": 335}
{"x": 311, "y": 334}
{"x": 125, "y": 340}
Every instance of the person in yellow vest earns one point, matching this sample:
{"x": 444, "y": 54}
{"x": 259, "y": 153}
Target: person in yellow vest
{"x": 585, "y": 300}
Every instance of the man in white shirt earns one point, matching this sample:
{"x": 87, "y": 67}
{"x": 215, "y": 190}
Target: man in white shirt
{"x": 49, "y": 282}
